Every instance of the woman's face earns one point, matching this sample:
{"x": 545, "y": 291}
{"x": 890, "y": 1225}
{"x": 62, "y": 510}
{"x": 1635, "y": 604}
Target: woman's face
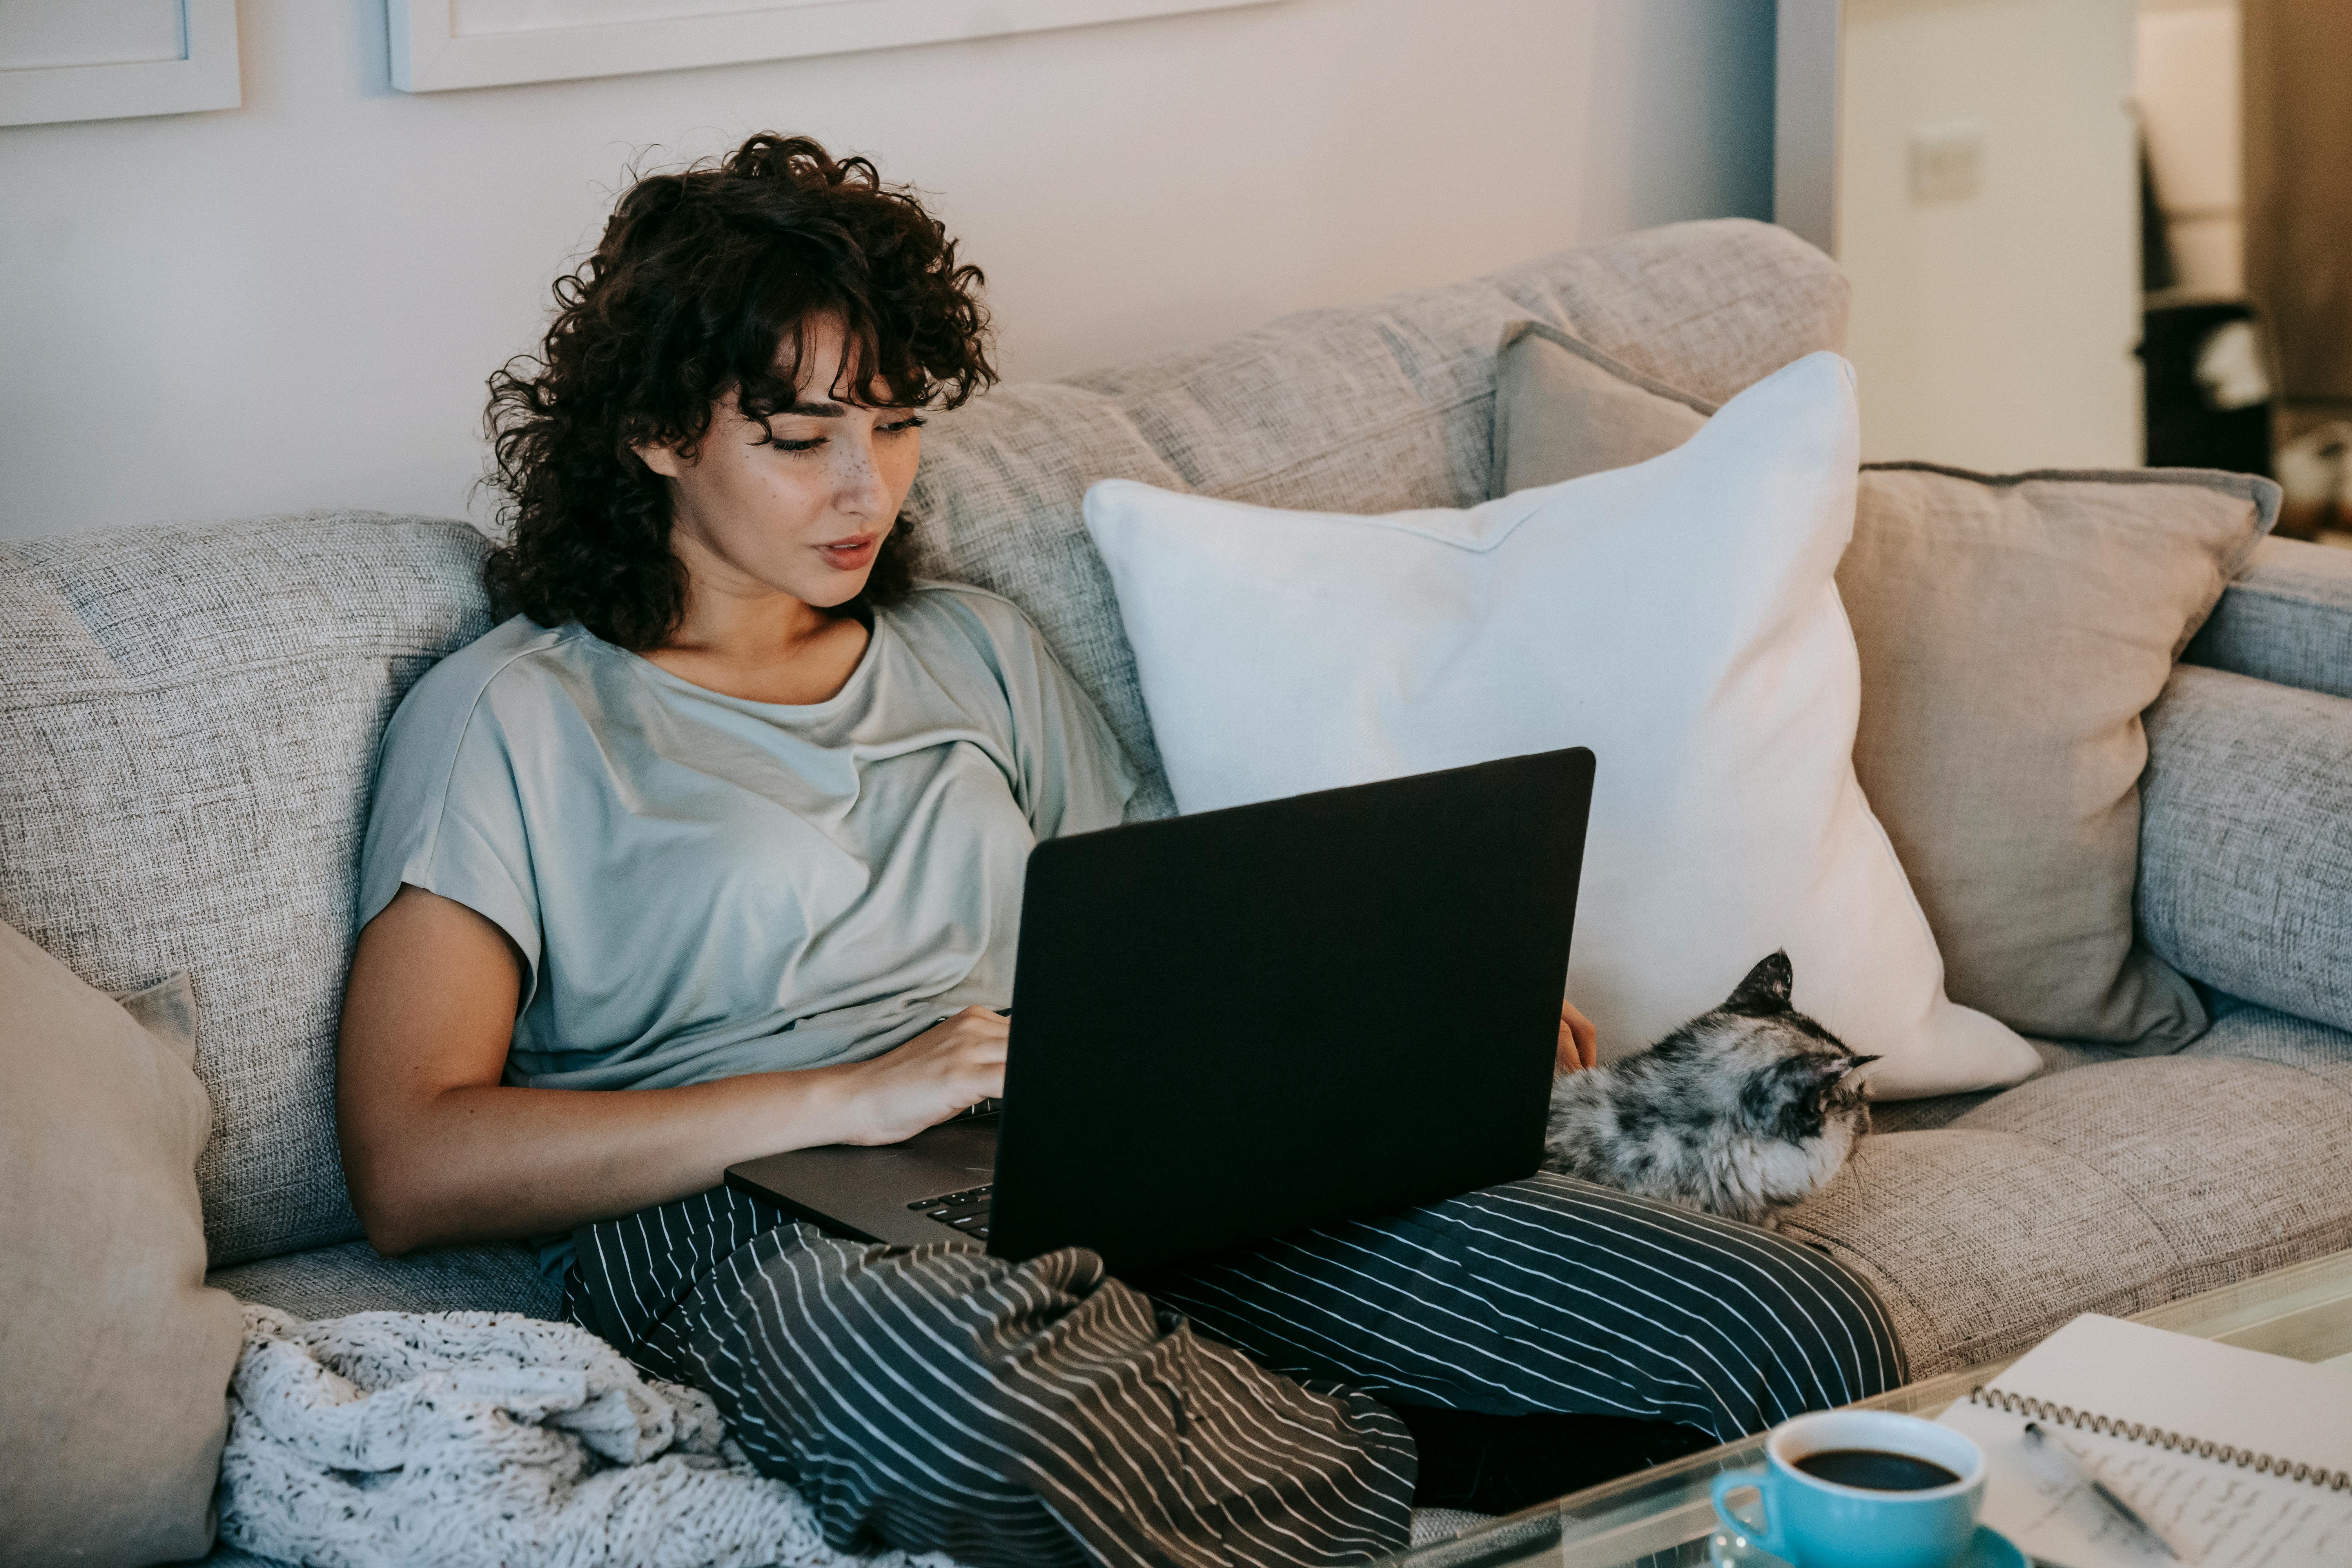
{"x": 798, "y": 506}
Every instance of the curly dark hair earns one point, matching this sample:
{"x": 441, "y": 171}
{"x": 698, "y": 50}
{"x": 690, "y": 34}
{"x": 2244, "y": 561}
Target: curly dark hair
{"x": 708, "y": 282}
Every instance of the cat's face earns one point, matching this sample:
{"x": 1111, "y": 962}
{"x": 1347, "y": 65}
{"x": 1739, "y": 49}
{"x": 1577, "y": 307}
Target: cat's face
{"x": 1784, "y": 1074}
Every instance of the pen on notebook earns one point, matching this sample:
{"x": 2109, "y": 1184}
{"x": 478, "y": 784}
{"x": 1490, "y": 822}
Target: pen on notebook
{"x": 2058, "y": 1455}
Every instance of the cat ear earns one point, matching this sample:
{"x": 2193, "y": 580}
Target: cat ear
{"x": 1766, "y": 989}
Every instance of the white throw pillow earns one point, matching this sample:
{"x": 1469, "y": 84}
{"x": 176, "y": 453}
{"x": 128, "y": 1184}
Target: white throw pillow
{"x": 1679, "y": 617}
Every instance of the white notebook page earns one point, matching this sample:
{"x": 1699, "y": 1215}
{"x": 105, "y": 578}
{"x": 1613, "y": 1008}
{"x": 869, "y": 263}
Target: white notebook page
{"x": 2213, "y": 1515}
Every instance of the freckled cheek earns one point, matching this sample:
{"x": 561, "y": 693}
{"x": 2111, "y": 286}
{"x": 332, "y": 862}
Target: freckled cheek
{"x": 789, "y": 494}
{"x": 898, "y": 471}
{"x": 784, "y": 509}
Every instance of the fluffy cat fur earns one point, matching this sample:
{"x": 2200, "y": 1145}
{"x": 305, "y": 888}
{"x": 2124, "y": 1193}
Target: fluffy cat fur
{"x": 1740, "y": 1111}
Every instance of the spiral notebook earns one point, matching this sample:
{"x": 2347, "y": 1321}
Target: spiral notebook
{"x": 2237, "y": 1459}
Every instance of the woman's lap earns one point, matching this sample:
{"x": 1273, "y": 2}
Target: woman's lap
{"x": 940, "y": 1399}
{"x": 1553, "y": 1294}
{"x": 1016, "y": 1413}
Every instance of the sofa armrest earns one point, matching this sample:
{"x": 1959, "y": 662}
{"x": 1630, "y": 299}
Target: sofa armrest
{"x": 2245, "y": 843}
{"x": 2287, "y": 617}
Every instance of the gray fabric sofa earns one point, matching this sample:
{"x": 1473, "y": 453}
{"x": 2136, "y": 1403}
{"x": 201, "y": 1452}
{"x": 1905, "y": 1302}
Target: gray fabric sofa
{"x": 189, "y": 715}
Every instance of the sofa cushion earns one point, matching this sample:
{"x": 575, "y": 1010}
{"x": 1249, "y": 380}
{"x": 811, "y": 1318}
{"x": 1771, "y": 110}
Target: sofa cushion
{"x": 2245, "y": 1032}
{"x": 2110, "y": 1188}
{"x": 1366, "y": 409}
{"x": 2246, "y": 841}
{"x": 2015, "y": 629}
{"x": 117, "y": 1359}
{"x": 1564, "y": 409}
{"x": 331, "y": 1281}
{"x": 2287, "y": 618}
{"x": 190, "y": 716}
{"x": 1943, "y": 1109}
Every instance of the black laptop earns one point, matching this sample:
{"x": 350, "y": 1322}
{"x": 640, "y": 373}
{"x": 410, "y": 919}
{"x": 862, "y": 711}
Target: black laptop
{"x": 1246, "y": 1022}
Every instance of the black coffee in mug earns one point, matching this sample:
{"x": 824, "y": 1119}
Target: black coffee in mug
{"x": 1875, "y": 1470}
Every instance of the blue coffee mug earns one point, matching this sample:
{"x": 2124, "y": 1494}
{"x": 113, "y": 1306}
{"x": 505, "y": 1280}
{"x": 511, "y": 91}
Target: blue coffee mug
{"x": 1817, "y": 1523}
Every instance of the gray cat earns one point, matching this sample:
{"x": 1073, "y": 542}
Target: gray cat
{"x": 1742, "y": 1110}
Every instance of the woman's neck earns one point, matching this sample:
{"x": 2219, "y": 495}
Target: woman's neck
{"x": 746, "y": 639}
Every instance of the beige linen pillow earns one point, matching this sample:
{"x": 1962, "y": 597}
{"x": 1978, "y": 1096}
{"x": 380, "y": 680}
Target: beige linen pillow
{"x": 1564, "y": 409}
{"x": 114, "y": 1398}
{"x": 2012, "y": 632}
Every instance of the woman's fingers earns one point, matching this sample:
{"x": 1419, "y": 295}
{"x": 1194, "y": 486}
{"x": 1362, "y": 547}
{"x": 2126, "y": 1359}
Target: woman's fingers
{"x": 1579, "y": 1042}
{"x": 957, "y": 1062}
{"x": 982, "y": 1022}
{"x": 975, "y": 1035}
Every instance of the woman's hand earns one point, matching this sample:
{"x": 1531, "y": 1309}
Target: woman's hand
{"x": 1580, "y": 1043}
{"x": 953, "y": 1065}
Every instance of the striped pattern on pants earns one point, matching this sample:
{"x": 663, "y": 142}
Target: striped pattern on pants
{"x": 1041, "y": 1413}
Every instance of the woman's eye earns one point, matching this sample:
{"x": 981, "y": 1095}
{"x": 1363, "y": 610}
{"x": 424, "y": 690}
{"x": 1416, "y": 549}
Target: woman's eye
{"x": 899, "y": 426}
{"x": 811, "y": 445}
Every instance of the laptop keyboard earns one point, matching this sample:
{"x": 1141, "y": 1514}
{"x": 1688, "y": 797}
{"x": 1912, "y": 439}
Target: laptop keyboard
{"x": 967, "y": 1211}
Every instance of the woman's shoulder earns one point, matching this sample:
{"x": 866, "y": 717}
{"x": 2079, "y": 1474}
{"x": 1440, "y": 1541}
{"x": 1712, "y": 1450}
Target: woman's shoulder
{"x": 957, "y": 611}
{"x": 516, "y": 659}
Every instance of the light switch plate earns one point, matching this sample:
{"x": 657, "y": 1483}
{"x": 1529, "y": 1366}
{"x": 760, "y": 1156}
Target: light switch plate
{"x": 1946, "y": 162}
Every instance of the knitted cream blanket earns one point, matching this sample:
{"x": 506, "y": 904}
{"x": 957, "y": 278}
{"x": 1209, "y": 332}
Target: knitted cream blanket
{"x": 459, "y": 1439}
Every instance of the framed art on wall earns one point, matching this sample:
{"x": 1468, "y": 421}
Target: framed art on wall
{"x": 438, "y": 45}
{"x": 113, "y": 59}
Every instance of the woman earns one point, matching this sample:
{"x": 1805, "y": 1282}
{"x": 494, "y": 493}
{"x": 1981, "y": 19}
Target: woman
{"x": 731, "y": 815}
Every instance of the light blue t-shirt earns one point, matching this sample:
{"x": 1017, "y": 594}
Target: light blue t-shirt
{"x": 702, "y": 886}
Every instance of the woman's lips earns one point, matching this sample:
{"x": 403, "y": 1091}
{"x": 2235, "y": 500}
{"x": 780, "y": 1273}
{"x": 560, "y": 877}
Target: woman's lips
{"x": 850, "y": 554}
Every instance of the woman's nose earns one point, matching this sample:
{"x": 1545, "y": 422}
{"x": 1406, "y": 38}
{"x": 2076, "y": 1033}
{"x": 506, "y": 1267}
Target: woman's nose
{"x": 859, "y": 483}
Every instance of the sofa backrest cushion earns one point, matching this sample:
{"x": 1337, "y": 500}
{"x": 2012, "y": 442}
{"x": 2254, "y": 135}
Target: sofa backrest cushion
{"x": 1372, "y": 409}
{"x": 190, "y": 716}
{"x": 2245, "y": 844}
{"x": 2286, "y": 618}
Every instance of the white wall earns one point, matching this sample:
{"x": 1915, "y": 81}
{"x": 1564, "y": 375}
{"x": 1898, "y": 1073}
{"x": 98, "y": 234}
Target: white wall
{"x": 294, "y": 304}
{"x": 1994, "y": 330}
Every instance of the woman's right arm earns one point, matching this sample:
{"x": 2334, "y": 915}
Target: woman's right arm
{"x": 437, "y": 1149}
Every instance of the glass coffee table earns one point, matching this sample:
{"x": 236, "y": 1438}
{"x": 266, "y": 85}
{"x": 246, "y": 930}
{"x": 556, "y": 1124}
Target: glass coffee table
{"x": 1661, "y": 1518}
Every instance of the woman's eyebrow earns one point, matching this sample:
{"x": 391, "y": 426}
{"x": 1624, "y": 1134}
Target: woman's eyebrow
{"x": 814, "y": 410}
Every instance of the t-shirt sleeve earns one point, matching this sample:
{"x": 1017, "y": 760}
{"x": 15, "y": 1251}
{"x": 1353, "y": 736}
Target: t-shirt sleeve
{"x": 448, "y": 816}
{"x": 1073, "y": 777}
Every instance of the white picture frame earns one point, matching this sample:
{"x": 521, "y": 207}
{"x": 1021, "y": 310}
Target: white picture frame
{"x": 206, "y": 77}
{"x": 434, "y": 48}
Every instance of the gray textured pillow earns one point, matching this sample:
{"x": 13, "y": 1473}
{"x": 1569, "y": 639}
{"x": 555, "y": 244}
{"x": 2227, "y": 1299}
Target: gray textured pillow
{"x": 2012, "y": 630}
{"x": 2248, "y": 879}
{"x": 115, "y": 1397}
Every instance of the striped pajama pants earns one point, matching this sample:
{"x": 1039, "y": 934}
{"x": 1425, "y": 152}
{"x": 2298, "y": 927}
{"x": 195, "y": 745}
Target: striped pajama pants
{"x": 1227, "y": 1412}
